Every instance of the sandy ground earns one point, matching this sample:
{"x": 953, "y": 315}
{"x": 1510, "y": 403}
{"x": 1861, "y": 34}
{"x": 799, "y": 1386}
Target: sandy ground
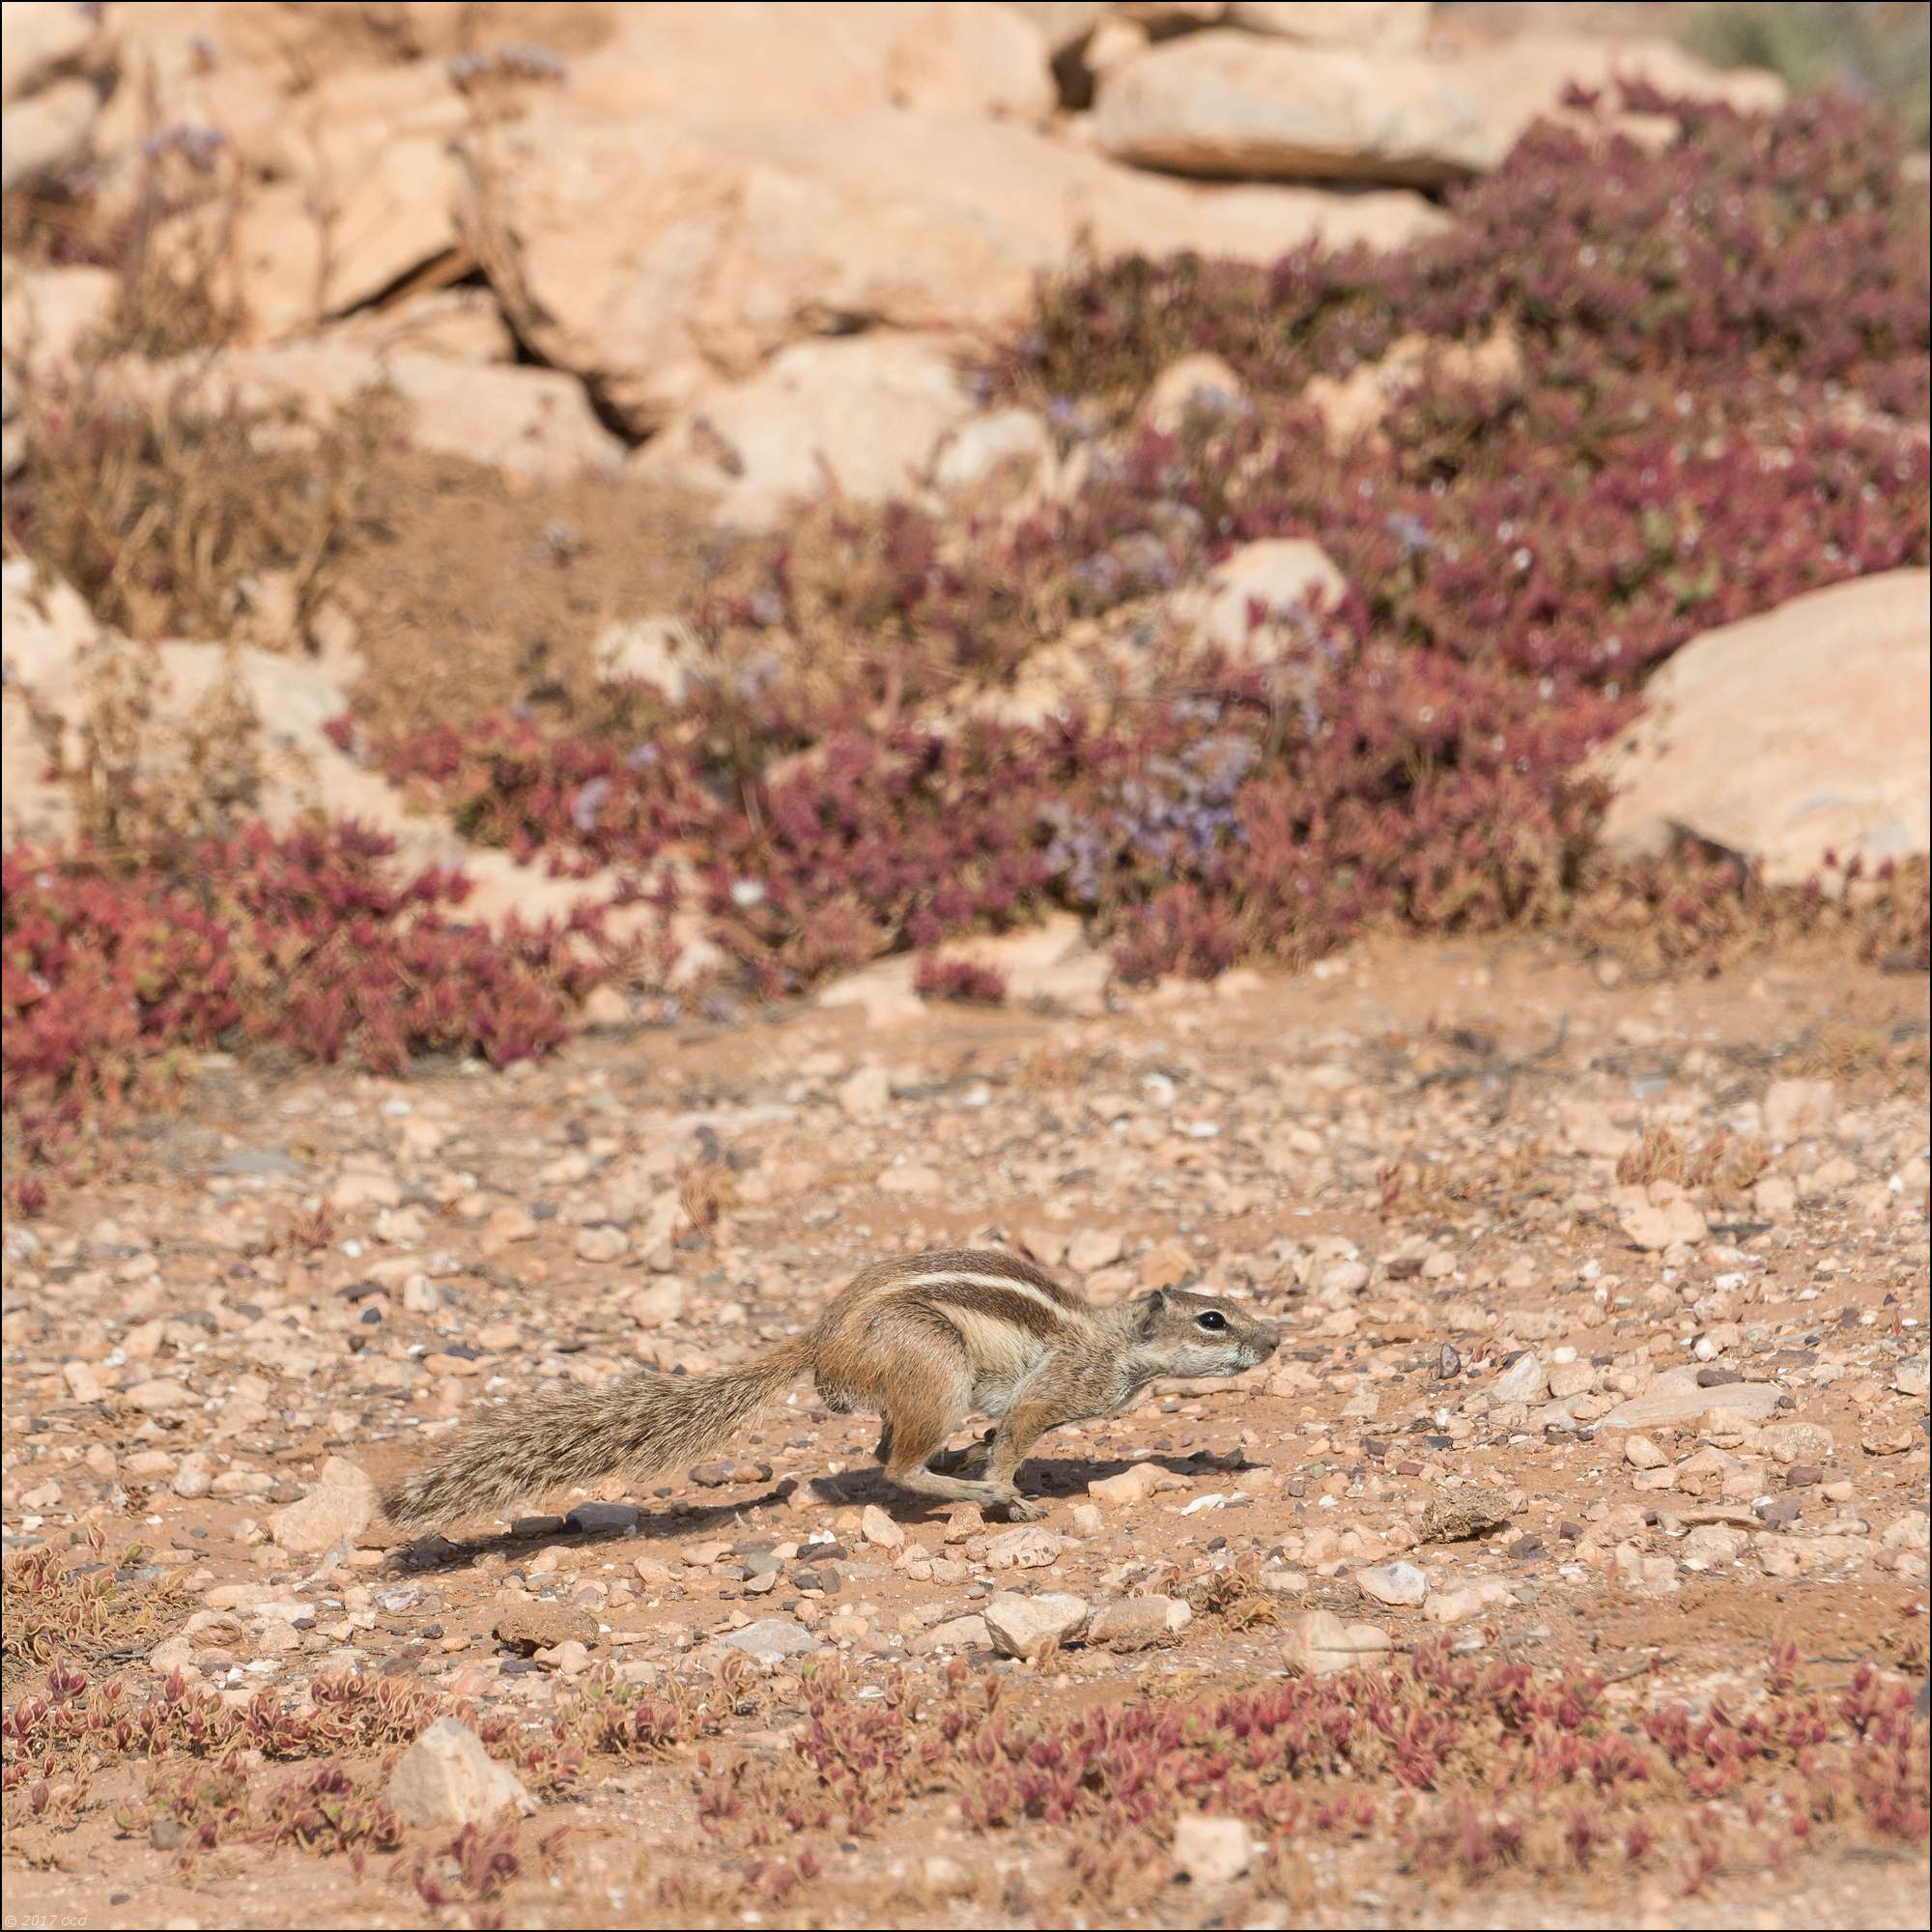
{"x": 1409, "y": 1159}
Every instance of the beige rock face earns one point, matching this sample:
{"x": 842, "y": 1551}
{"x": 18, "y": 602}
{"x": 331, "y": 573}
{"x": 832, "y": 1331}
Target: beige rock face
{"x": 367, "y": 194}
{"x": 1235, "y": 105}
{"x": 863, "y": 417}
{"x": 1789, "y": 735}
{"x": 47, "y": 134}
{"x": 1523, "y": 77}
{"x": 46, "y": 312}
{"x": 1227, "y": 103}
{"x": 658, "y": 257}
{"x": 1393, "y": 25}
{"x": 947, "y": 58}
{"x": 532, "y": 422}
{"x": 40, "y": 40}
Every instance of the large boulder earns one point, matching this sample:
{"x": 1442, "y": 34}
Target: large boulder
{"x": 768, "y": 59}
{"x": 861, "y": 417}
{"x": 531, "y": 422}
{"x": 48, "y": 135}
{"x": 364, "y": 195}
{"x": 1790, "y": 735}
{"x": 41, "y": 40}
{"x": 654, "y": 257}
{"x": 1232, "y": 105}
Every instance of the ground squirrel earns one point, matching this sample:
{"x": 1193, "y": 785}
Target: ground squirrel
{"x": 919, "y": 1339}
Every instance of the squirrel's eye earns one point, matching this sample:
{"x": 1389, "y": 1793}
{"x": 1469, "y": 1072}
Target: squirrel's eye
{"x": 1213, "y": 1318}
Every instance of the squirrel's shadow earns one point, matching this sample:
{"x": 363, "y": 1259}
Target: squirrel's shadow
{"x": 1047, "y": 1479}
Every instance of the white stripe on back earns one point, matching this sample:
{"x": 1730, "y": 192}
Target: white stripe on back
{"x": 1030, "y": 1290}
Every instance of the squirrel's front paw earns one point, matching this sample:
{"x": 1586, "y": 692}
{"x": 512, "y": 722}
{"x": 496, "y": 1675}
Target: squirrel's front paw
{"x": 1017, "y": 1509}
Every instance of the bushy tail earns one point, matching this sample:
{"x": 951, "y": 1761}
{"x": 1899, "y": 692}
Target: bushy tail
{"x": 550, "y": 1440}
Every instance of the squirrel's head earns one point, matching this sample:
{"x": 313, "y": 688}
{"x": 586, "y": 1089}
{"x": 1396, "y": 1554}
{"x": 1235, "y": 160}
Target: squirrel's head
{"x": 1196, "y": 1335}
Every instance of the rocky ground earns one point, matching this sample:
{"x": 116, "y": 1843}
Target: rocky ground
{"x": 1603, "y": 1365}
{"x": 613, "y": 451}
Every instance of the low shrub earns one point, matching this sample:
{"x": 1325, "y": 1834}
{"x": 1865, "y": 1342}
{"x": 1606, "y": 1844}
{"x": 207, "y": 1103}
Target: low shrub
{"x": 113, "y": 971}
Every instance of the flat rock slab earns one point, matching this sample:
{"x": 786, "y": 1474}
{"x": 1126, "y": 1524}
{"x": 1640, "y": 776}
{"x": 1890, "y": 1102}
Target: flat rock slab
{"x": 1677, "y": 1397}
{"x": 771, "y": 1640}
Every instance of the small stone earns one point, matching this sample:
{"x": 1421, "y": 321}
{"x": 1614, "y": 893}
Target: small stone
{"x": 771, "y": 1640}
{"x": 1675, "y": 1397}
{"x": 1525, "y": 1380}
{"x": 1319, "y": 1643}
{"x": 1654, "y": 1228}
{"x": 158, "y": 1396}
{"x": 1448, "y": 1364}
{"x": 1455, "y": 1607}
{"x": 1641, "y": 1453}
{"x": 602, "y": 1243}
{"x": 659, "y": 1304}
{"x": 329, "y": 1514}
{"x": 1139, "y": 1622}
{"x": 967, "y": 1633}
{"x": 866, "y": 1095}
{"x": 605, "y": 1006}
{"x": 879, "y": 1529}
{"x": 1211, "y": 1851}
{"x": 1028, "y": 1547}
{"x": 1798, "y": 1109}
{"x": 1130, "y": 1486}
{"x": 603, "y": 1518}
{"x": 1026, "y": 1627}
{"x": 1792, "y": 1442}
{"x": 1094, "y": 1249}
{"x": 1345, "y": 1277}
{"x": 446, "y": 1779}
{"x": 528, "y": 1628}
{"x": 1398, "y": 1584}
{"x": 1710, "y": 1544}
{"x": 1047, "y": 1245}
{"x": 82, "y": 1383}
{"x": 1463, "y": 1515}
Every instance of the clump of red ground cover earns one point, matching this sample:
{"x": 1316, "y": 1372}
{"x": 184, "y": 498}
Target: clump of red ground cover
{"x": 114, "y": 970}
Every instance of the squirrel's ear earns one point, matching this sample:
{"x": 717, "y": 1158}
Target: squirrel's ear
{"x": 1151, "y": 1312}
